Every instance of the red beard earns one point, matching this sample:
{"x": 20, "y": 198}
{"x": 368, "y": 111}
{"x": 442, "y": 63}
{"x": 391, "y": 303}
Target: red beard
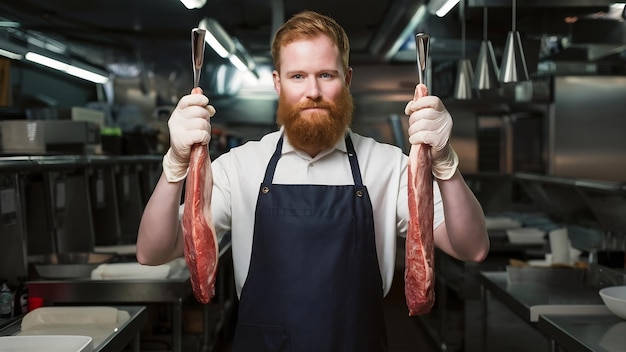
{"x": 316, "y": 130}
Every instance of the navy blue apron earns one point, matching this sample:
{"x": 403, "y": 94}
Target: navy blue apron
{"x": 314, "y": 283}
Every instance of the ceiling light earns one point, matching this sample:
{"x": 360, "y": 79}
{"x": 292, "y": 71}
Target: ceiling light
{"x": 46, "y": 61}
{"x": 464, "y": 78}
{"x": 242, "y": 58}
{"x": 243, "y": 55}
{"x": 193, "y": 4}
{"x": 513, "y": 66}
{"x": 10, "y": 54}
{"x": 217, "y": 38}
{"x": 442, "y": 7}
{"x": 11, "y": 50}
{"x": 486, "y": 74}
{"x": 86, "y": 74}
{"x": 9, "y": 24}
{"x": 226, "y": 46}
{"x": 238, "y": 62}
{"x": 465, "y": 73}
{"x": 408, "y": 31}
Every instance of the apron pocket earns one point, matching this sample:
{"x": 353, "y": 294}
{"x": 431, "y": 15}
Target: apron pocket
{"x": 261, "y": 338}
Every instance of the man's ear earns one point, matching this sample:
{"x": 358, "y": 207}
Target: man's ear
{"x": 348, "y": 77}
{"x": 276, "y": 79}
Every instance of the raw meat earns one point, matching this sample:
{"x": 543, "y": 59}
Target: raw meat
{"x": 419, "y": 275}
{"x": 201, "y": 249}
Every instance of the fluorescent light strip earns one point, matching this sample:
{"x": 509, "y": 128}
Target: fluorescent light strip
{"x": 236, "y": 61}
{"x": 215, "y": 44}
{"x": 418, "y": 16}
{"x": 221, "y": 79}
{"x": 69, "y": 69}
{"x": 9, "y": 24}
{"x": 46, "y": 61}
{"x": 10, "y": 54}
{"x": 445, "y": 8}
{"x": 85, "y": 74}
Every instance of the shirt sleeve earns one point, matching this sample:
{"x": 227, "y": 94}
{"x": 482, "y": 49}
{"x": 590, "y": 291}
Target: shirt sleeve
{"x": 221, "y": 195}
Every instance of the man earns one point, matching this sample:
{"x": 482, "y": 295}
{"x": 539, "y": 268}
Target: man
{"x": 314, "y": 209}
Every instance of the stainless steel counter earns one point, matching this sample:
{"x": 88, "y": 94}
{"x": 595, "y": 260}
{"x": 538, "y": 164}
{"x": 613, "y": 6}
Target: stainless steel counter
{"x": 461, "y": 278}
{"x": 585, "y": 333}
{"x": 572, "y": 315}
{"x": 117, "y": 341}
{"x": 529, "y": 299}
{"x": 172, "y": 290}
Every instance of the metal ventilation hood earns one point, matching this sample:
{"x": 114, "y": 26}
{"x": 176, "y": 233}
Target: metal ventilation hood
{"x": 153, "y": 36}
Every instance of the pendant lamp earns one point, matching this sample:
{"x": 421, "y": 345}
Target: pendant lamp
{"x": 464, "y": 77}
{"x": 486, "y": 73}
{"x": 513, "y": 66}
{"x": 464, "y": 72}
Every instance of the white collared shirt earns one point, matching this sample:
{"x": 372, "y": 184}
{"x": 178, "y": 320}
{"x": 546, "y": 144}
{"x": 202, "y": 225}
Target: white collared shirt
{"x": 238, "y": 174}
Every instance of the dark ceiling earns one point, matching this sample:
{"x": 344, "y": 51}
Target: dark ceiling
{"x": 155, "y": 34}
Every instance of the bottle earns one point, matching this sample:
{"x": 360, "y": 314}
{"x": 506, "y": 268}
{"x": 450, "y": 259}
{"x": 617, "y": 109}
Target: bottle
{"x": 20, "y": 305}
{"x": 6, "y": 300}
{"x": 611, "y": 255}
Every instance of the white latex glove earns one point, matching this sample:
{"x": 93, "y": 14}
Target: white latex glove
{"x": 188, "y": 125}
{"x": 430, "y": 123}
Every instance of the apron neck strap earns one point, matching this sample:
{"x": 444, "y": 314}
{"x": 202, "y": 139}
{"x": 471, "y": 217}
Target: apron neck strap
{"x": 354, "y": 163}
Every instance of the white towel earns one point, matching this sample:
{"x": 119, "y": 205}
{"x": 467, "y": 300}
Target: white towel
{"x": 126, "y": 271}
{"x": 526, "y": 235}
{"x": 559, "y": 245}
{"x": 501, "y": 223}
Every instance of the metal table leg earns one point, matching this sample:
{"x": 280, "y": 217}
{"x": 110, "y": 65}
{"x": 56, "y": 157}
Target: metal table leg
{"x": 177, "y": 325}
{"x": 136, "y": 343}
{"x": 483, "y": 294}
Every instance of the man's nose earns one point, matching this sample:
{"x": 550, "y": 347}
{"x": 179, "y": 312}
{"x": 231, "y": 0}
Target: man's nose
{"x": 313, "y": 90}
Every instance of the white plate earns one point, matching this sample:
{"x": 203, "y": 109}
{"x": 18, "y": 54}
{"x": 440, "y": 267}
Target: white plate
{"x": 526, "y": 235}
{"x": 539, "y": 262}
{"x": 44, "y": 343}
{"x": 98, "y": 323}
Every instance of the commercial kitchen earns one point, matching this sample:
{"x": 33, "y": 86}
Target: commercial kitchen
{"x": 536, "y": 90}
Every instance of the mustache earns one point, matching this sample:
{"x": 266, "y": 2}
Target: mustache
{"x": 314, "y": 105}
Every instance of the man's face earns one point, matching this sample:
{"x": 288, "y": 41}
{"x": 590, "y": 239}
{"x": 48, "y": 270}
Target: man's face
{"x": 314, "y": 105}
